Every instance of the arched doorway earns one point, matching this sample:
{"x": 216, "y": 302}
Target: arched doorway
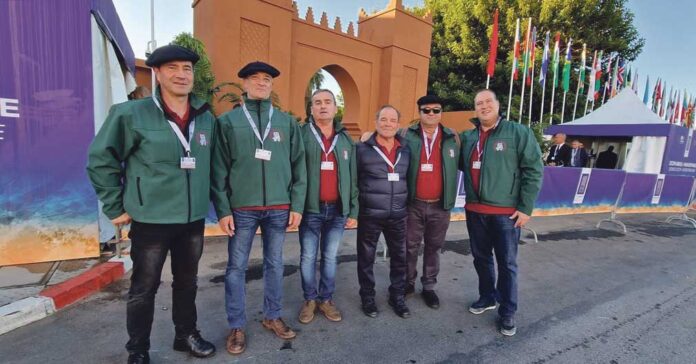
{"x": 338, "y": 80}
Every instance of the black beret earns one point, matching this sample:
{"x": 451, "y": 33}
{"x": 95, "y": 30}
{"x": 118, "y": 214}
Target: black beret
{"x": 429, "y": 99}
{"x": 258, "y": 66}
{"x": 171, "y": 52}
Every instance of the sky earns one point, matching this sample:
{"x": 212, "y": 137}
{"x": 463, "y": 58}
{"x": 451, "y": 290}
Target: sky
{"x": 669, "y": 51}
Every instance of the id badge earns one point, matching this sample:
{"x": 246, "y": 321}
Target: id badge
{"x": 476, "y": 165}
{"x": 263, "y": 154}
{"x": 327, "y": 166}
{"x": 188, "y": 163}
{"x": 393, "y": 177}
{"x": 426, "y": 167}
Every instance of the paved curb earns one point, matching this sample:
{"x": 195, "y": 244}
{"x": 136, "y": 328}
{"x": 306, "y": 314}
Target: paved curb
{"x": 53, "y": 298}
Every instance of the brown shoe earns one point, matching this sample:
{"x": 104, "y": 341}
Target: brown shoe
{"x": 307, "y": 311}
{"x": 279, "y": 328}
{"x": 236, "y": 342}
{"x": 328, "y": 308}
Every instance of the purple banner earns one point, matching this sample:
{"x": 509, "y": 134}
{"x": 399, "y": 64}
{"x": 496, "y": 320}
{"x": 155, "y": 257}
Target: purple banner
{"x": 680, "y": 152}
{"x": 655, "y": 193}
{"x": 47, "y": 207}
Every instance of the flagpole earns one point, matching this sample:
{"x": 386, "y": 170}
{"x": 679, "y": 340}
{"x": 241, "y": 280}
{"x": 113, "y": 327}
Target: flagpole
{"x": 488, "y": 81}
{"x": 553, "y": 93}
{"x": 577, "y": 93}
{"x": 563, "y": 107}
{"x": 587, "y": 101}
{"x": 524, "y": 76}
{"x": 531, "y": 94}
{"x": 543, "y": 95}
{"x": 512, "y": 73}
{"x": 152, "y": 44}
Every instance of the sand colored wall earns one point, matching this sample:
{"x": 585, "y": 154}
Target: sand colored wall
{"x": 383, "y": 60}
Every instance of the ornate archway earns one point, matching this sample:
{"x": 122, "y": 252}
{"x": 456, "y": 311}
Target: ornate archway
{"x": 386, "y": 62}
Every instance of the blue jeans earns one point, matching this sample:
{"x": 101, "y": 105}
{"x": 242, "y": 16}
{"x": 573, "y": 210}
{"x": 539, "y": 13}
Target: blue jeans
{"x": 325, "y": 228}
{"x": 495, "y": 233}
{"x": 273, "y": 224}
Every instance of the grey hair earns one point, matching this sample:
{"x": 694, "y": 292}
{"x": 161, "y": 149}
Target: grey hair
{"x": 387, "y": 106}
{"x": 320, "y": 90}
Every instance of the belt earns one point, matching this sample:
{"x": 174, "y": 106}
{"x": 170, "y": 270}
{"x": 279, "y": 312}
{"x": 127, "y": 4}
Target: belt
{"x": 428, "y": 201}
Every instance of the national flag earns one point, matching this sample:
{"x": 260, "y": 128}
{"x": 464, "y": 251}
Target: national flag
{"x": 566, "y": 67}
{"x": 493, "y": 50}
{"x": 663, "y": 100}
{"x": 516, "y": 53}
{"x": 544, "y": 61}
{"x": 556, "y": 58}
{"x": 593, "y": 77}
{"x": 532, "y": 57}
{"x": 598, "y": 75}
{"x": 581, "y": 75}
{"x": 646, "y": 98}
{"x": 615, "y": 78}
{"x": 525, "y": 56}
{"x": 657, "y": 97}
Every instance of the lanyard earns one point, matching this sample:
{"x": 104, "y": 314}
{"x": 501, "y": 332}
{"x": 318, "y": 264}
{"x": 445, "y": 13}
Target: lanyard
{"x": 321, "y": 143}
{"x": 253, "y": 124}
{"x": 429, "y": 146}
{"x": 479, "y": 152}
{"x": 393, "y": 166}
{"x": 185, "y": 143}
{"x": 180, "y": 135}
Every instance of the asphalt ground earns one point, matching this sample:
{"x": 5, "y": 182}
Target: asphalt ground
{"x": 585, "y": 296}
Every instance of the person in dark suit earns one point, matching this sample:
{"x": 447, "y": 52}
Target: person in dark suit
{"x": 607, "y": 159}
{"x": 578, "y": 155}
{"x": 559, "y": 155}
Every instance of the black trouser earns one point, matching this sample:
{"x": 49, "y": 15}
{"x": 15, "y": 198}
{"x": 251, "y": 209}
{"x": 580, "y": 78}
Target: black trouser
{"x": 150, "y": 244}
{"x": 394, "y": 231}
{"x": 427, "y": 223}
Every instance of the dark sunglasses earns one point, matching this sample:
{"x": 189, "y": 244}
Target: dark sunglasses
{"x": 426, "y": 110}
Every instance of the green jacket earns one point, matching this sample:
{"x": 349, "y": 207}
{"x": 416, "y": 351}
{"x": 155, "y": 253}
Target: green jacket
{"x": 344, "y": 152}
{"x": 137, "y": 143}
{"x": 511, "y": 171}
{"x": 450, "y": 162}
{"x": 239, "y": 179}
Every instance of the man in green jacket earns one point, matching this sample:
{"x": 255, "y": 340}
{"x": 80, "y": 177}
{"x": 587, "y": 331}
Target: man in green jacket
{"x": 502, "y": 166}
{"x": 160, "y": 146}
{"x": 258, "y": 179}
{"x": 331, "y": 204}
{"x": 432, "y": 187}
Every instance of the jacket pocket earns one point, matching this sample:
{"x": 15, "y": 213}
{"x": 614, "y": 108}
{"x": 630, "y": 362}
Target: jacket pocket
{"x": 512, "y": 185}
{"x": 140, "y": 194}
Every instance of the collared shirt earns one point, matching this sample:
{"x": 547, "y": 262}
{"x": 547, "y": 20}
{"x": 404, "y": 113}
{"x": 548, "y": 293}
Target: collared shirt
{"x": 182, "y": 121}
{"x": 429, "y": 184}
{"x": 391, "y": 154}
{"x": 328, "y": 183}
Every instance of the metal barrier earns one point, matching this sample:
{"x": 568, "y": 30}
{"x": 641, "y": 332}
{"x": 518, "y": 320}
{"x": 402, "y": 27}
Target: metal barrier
{"x": 683, "y": 217}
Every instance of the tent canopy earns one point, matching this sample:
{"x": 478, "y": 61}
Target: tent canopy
{"x": 623, "y": 115}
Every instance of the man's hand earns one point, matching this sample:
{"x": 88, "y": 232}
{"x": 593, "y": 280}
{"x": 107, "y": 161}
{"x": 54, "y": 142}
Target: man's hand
{"x": 521, "y": 217}
{"x": 227, "y": 225}
{"x": 351, "y": 223}
{"x": 124, "y": 219}
{"x": 294, "y": 220}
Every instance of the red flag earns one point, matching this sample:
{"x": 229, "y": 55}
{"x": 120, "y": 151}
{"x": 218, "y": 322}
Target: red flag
{"x": 493, "y": 51}
{"x": 516, "y": 59}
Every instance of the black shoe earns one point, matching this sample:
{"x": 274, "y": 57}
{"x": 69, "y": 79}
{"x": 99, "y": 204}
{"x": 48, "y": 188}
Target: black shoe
{"x": 399, "y": 306}
{"x": 431, "y": 299}
{"x": 410, "y": 289}
{"x": 507, "y": 326}
{"x": 481, "y": 306}
{"x": 195, "y": 345}
{"x": 139, "y": 357}
{"x": 369, "y": 308}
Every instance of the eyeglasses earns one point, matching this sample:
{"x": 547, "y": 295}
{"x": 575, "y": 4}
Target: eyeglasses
{"x": 426, "y": 110}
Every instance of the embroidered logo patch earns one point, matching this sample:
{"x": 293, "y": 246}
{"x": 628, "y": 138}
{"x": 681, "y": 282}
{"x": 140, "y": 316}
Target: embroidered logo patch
{"x": 345, "y": 155}
{"x": 202, "y": 140}
{"x": 276, "y": 136}
{"x": 451, "y": 153}
{"x": 500, "y": 146}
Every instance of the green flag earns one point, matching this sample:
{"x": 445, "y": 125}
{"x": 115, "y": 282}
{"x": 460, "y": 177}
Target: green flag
{"x": 566, "y": 68}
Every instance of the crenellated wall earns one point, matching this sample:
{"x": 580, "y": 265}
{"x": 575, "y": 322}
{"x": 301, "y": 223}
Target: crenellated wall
{"x": 383, "y": 59}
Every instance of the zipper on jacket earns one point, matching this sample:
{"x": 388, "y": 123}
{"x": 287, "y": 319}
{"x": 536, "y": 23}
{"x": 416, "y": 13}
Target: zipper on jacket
{"x": 140, "y": 195}
{"x": 188, "y": 195}
{"x": 485, "y": 153}
{"x": 263, "y": 163}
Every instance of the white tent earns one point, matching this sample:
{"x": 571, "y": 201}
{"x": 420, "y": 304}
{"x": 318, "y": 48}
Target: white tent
{"x": 625, "y": 115}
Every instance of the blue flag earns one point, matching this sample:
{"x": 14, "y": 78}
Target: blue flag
{"x": 544, "y": 61}
{"x": 646, "y": 99}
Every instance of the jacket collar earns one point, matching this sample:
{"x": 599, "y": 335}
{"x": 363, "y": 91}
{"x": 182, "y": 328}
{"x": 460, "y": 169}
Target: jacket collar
{"x": 477, "y": 122}
{"x": 445, "y": 131}
{"x": 197, "y": 105}
{"x": 337, "y": 125}
{"x": 254, "y": 105}
{"x": 372, "y": 141}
